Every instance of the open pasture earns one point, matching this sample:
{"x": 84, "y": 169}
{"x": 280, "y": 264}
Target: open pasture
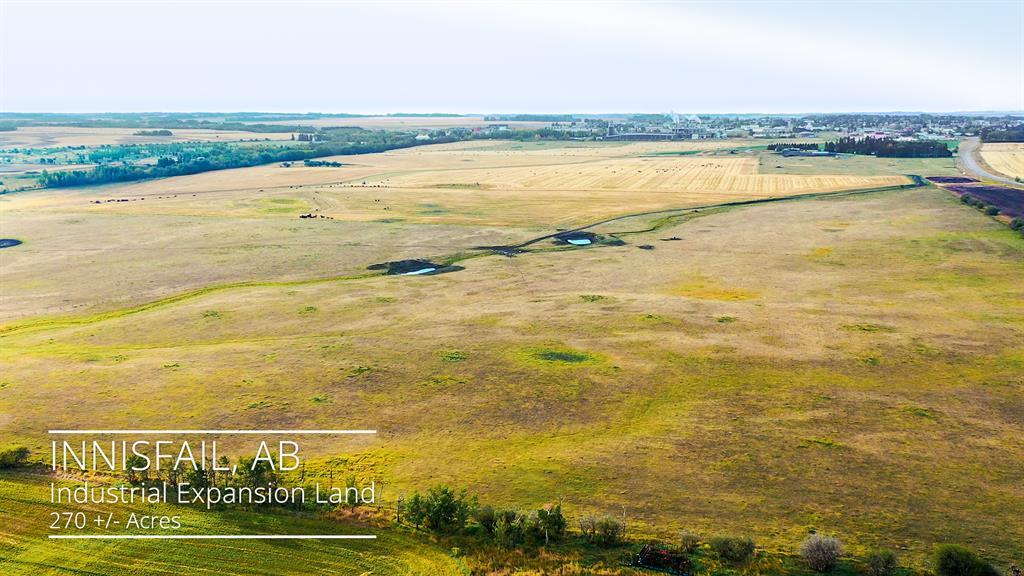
{"x": 1005, "y": 157}
{"x": 856, "y": 165}
{"x": 780, "y": 368}
{"x": 97, "y": 248}
{"x": 408, "y": 122}
{"x": 475, "y": 183}
{"x": 60, "y": 136}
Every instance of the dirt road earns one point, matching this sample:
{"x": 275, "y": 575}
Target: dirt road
{"x": 969, "y": 162}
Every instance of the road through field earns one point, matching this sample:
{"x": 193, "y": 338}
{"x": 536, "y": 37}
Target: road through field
{"x": 969, "y": 150}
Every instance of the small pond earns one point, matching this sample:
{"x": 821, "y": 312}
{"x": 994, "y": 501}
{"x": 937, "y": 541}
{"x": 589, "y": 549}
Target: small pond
{"x": 413, "y": 268}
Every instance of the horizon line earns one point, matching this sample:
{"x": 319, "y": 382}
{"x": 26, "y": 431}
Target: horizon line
{"x": 471, "y": 114}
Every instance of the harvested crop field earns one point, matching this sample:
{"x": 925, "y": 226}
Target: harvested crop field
{"x": 1005, "y": 157}
{"x": 176, "y": 234}
{"x": 704, "y": 176}
{"x": 479, "y": 183}
{"x": 60, "y": 136}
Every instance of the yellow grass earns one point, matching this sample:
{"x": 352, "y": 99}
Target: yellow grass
{"x": 1005, "y": 157}
{"x": 407, "y": 123}
{"x": 57, "y": 136}
{"x": 486, "y": 183}
{"x": 839, "y": 386}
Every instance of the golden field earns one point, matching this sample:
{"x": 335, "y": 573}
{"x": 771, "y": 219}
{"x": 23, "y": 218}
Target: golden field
{"x": 421, "y": 201}
{"x": 477, "y": 183}
{"x": 60, "y": 136}
{"x": 1005, "y": 157}
{"x": 409, "y": 122}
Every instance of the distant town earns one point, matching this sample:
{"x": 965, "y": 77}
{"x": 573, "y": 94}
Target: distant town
{"x": 673, "y": 126}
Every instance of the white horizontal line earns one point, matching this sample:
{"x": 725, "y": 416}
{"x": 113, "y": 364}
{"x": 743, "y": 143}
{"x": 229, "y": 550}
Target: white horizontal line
{"x": 212, "y": 431}
{"x": 213, "y": 536}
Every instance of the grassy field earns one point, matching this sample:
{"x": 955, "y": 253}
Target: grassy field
{"x": 1007, "y": 158}
{"x": 243, "y": 225}
{"x": 25, "y": 550}
{"x": 59, "y": 136}
{"x": 410, "y": 122}
{"x": 854, "y": 165}
{"x": 849, "y": 364}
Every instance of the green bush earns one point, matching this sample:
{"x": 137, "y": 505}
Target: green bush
{"x": 551, "y": 523}
{"x": 442, "y": 510}
{"x": 487, "y": 518}
{"x": 1017, "y": 223}
{"x": 956, "y": 560}
{"x": 733, "y": 549}
{"x": 14, "y": 457}
{"x": 509, "y": 530}
{"x": 882, "y": 562}
{"x": 610, "y": 531}
{"x": 992, "y": 211}
{"x": 689, "y": 542}
{"x": 821, "y": 552}
{"x": 605, "y": 531}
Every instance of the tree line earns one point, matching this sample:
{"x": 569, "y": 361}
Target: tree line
{"x": 185, "y": 160}
{"x": 889, "y": 148}
{"x": 457, "y": 516}
{"x": 1003, "y": 134}
{"x": 798, "y": 146}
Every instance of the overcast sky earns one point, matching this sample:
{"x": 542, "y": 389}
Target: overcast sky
{"x": 361, "y": 57}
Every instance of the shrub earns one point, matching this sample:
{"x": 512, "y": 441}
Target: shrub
{"x": 1017, "y": 224}
{"x": 956, "y": 560}
{"x": 967, "y": 199}
{"x": 486, "y": 517}
{"x": 509, "y": 530}
{"x": 732, "y": 548}
{"x": 821, "y": 552}
{"x": 689, "y": 542}
{"x": 606, "y": 531}
{"x": 992, "y": 211}
{"x": 13, "y": 457}
{"x": 882, "y": 563}
{"x": 610, "y": 531}
{"x": 551, "y": 523}
{"x": 441, "y": 510}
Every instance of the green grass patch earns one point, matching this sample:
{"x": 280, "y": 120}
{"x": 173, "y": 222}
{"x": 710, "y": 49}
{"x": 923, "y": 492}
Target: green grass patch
{"x": 453, "y": 356}
{"x": 562, "y": 356}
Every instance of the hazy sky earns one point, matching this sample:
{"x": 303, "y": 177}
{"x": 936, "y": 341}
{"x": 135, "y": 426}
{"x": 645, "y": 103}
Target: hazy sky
{"x": 753, "y": 56}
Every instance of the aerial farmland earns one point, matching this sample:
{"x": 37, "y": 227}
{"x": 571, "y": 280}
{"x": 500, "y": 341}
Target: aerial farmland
{"x": 511, "y": 288}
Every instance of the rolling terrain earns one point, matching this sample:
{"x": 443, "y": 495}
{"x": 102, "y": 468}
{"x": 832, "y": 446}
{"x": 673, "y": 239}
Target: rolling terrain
{"x": 848, "y": 364}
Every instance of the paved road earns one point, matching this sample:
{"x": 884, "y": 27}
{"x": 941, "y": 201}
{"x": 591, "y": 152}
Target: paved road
{"x": 968, "y": 162}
